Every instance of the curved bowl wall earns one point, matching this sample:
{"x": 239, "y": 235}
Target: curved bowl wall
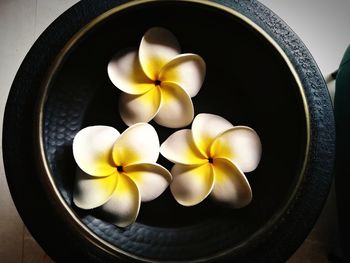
{"x": 259, "y": 74}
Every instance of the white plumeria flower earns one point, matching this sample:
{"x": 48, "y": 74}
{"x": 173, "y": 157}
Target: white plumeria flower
{"x": 118, "y": 171}
{"x": 212, "y": 158}
{"x": 158, "y": 82}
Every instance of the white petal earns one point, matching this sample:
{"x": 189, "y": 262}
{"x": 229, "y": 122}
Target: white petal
{"x": 126, "y": 74}
{"x": 92, "y": 149}
{"x": 241, "y": 145}
{"x": 176, "y": 109}
{"x": 137, "y": 144}
{"x": 191, "y": 184}
{"x": 139, "y": 108}
{"x": 180, "y": 148}
{"x": 205, "y": 128}
{"x": 151, "y": 179}
{"x": 186, "y": 70}
{"x": 91, "y": 192}
{"x": 158, "y": 46}
{"x": 231, "y": 185}
{"x": 124, "y": 205}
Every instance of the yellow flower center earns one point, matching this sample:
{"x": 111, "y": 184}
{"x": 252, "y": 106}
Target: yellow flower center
{"x": 120, "y": 168}
{"x": 210, "y": 160}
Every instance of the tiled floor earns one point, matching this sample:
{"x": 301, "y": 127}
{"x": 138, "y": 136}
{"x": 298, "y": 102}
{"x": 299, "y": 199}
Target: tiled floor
{"x": 317, "y": 22}
{"x": 21, "y": 22}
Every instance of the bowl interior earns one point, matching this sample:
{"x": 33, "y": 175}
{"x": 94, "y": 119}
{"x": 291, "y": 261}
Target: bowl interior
{"x": 247, "y": 82}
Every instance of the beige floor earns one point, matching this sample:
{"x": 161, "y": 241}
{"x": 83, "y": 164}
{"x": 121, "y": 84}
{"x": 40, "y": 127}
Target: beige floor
{"x": 22, "y": 21}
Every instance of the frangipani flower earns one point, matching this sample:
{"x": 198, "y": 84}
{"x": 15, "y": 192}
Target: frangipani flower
{"x": 118, "y": 171}
{"x": 158, "y": 82}
{"x": 212, "y": 158}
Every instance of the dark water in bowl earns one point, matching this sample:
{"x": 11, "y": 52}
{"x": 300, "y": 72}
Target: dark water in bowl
{"x": 247, "y": 82}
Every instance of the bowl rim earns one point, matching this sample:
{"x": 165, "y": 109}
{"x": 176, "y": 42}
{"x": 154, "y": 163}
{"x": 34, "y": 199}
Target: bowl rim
{"x": 46, "y": 173}
{"x": 37, "y": 207}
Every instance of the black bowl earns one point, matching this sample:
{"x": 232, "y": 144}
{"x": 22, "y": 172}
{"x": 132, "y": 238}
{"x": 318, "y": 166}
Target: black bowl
{"x": 259, "y": 74}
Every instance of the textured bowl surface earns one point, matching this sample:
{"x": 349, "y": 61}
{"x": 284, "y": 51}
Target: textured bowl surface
{"x": 259, "y": 74}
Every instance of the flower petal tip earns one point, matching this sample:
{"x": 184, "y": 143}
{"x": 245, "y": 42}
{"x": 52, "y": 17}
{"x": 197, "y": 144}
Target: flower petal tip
{"x": 176, "y": 109}
{"x": 123, "y": 207}
{"x": 92, "y": 148}
{"x": 91, "y": 192}
{"x": 179, "y": 148}
{"x": 137, "y": 144}
{"x": 151, "y": 179}
{"x": 158, "y": 46}
{"x": 231, "y": 186}
{"x": 191, "y": 184}
{"x": 139, "y": 108}
{"x": 125, "y": 72}
{"x": 186, "y": 70}
{"x": 241, "y": 145}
